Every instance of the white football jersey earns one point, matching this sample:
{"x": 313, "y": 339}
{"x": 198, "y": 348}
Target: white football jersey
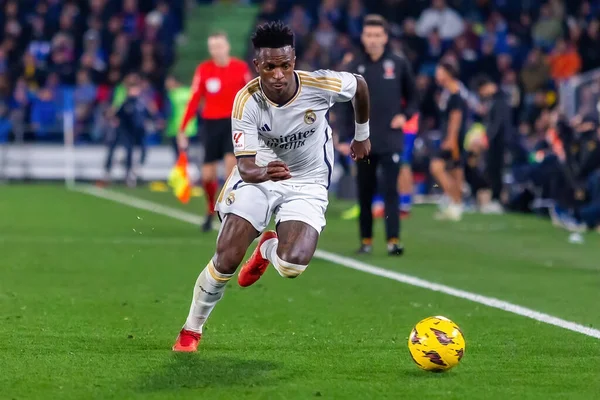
{"x": 297, "y": 132}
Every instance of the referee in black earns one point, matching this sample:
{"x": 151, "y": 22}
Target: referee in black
{"x": 393, "y": 102}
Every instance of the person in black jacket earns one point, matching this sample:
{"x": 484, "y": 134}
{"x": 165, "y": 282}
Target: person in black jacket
{"x": 393, "y": 102}
{"x": 497, "y": 119}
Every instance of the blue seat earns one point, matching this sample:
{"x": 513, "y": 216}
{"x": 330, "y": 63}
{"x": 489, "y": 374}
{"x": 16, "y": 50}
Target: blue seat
{"x": 5, "y": 128}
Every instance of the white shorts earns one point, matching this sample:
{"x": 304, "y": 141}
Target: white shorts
{"x": 258, "y": 202}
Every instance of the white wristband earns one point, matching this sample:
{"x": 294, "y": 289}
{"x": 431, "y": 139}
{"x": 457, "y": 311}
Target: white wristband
{"x": 361, "y": 131}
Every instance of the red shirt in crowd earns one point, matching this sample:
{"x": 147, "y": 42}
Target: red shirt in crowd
{"x": 218, "y": 86}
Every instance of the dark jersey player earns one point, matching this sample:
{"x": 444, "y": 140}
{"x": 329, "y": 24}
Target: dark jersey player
{"x": 216, "y": 81}
{"x": 446, "y": 163}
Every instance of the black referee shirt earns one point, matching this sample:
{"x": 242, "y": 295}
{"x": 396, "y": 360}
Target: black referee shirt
{"x": 392, "y": 89}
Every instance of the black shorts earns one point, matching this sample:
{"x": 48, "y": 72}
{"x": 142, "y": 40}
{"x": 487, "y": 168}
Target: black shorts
{"x": 216, "y": 139}
{"x": 446, "y": 155}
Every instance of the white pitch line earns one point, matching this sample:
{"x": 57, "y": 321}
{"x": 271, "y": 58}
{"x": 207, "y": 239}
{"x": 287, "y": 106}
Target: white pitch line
{"x": 361, "y": 266}
{"x": 140, "y": 204}
{"x": 476, "y": 298}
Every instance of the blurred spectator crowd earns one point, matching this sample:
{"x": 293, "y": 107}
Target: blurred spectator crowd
{"x": 528, "y": 47}
{"x": 91, "y": 45}
{"x": 83, "y": 49}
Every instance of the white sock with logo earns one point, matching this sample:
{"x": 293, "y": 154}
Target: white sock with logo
{"x": 209, "y": 289}
{"x": 286, "y": 269}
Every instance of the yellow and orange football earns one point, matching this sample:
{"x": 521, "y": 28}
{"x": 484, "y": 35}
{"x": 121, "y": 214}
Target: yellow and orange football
{"x": 436, "y": 344}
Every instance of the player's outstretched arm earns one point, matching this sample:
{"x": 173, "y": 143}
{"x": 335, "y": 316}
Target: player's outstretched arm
{"x": 252, "y": 173}
{"x": 361, "y": 101}
{"x": 361, "y": 145}
{"x": 191, "y": 108}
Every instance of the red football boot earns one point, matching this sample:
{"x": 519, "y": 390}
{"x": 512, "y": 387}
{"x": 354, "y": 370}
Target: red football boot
{"x": 256, "y": 265}
{"x": 187, "y": 341}
{"x": 404, "y": 214}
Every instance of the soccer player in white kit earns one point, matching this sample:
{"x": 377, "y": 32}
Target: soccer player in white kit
{"x": 284, "y": 151}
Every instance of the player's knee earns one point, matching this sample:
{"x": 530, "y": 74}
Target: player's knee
{"x": 295, "y": 255}
{"x": 228, "y": 258}
{"x": 234, "y": 238}
{"x": 292, "y": 263}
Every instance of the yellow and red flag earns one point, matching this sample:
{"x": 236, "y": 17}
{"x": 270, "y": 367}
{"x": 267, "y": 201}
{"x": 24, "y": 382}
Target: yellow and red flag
{"x": 179, "y": 179}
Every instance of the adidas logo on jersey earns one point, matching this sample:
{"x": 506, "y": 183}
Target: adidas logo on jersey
{"x": 265, "y": 128}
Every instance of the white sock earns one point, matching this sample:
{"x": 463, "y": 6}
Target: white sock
{"x": 209, "y": 289}
{"x": 285, "y": 269}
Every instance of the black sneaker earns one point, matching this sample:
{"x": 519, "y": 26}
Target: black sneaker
{"x": 395, "y": 249}
{"x": 207, "y": 226}
{"x": 365, "y": 249}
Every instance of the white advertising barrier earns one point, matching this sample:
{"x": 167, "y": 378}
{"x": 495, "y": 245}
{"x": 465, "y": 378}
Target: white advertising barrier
{"x": 81, "y": 163}
{"x": 86, "y": 163}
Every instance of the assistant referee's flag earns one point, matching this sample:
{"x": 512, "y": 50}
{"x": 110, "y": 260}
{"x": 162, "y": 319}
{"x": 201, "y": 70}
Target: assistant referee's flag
{"x": 179, "y": 179}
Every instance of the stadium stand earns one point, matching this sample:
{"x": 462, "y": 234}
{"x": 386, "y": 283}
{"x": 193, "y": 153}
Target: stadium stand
{"x": 48, "y": 47}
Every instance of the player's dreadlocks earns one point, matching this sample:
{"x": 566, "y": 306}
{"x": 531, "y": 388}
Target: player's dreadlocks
{"x": 272, "y": 35}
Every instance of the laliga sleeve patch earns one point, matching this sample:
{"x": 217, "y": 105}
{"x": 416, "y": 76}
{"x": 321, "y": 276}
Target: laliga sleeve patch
{"x": 238, "y": 140}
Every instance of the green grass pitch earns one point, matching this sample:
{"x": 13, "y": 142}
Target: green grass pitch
{"x": 93, "y": 294}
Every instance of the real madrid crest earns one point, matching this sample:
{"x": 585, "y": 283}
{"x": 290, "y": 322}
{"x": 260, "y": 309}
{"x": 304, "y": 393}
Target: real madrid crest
{"x": 310, "y": 117}
{"x": 230, "y": 199}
